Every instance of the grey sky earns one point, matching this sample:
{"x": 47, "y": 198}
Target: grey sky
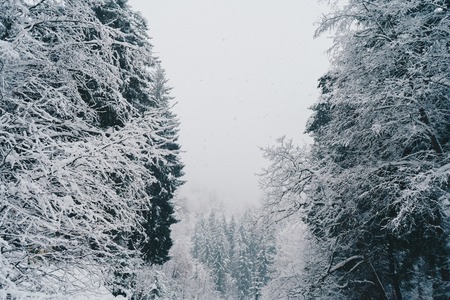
{"x": 244, "y": 73}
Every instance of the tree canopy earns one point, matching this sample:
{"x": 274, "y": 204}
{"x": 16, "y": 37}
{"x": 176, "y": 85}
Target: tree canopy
{"x": 374, "y": 187}
{"x": 86, "y": 134}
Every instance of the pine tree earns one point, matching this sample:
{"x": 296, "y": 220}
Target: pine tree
{"x": 256, "y": 249}
{"x": 244, "y": 269}
{"x": 198, "y": 238}
{"x": 232, "y": 237}
{"x": 147, "y": 90}
{"x": 167, "y": 172}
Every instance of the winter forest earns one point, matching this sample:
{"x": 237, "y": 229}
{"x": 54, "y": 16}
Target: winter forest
{"x": 91, "y": 165}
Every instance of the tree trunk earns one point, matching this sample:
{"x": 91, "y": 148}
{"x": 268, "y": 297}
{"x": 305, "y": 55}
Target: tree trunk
{"x": 394, "y": 274}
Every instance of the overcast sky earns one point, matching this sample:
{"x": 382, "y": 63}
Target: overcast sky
{"x": 243, "y": 73}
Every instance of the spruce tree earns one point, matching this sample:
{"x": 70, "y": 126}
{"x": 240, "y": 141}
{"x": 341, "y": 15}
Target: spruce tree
{"x": 145, "y": 87}
{"x": 167, "y": 172}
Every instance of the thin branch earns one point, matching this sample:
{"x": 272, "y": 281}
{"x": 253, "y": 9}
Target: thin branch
{"x": 345, "y": 262}
{"x": 378, "y": 280}
{"x": 36, "y": 5}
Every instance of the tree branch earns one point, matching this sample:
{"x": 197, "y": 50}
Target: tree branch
{"x": 36, "y": 5}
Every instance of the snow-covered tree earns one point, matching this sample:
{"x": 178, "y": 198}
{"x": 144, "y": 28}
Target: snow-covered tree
{"x": 75, "y": 148}
{"x": 144, "y": 85}
{"x": 256, "y": 249}
{"x": 211, "y": 248}
{"x": 243, "y": 272}
{"x": 239, "y": 254}
{"x": 189, "y": 279}
{"x": 160, "y": 216}
{"x": 374, "y": 187}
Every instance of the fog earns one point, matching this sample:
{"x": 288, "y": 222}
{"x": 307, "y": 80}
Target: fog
{"x": 243, "y": 74}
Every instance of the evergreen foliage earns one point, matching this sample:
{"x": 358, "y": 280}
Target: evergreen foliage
{"x": 240, "y": 261}
{"x": 89, "y": 158}
{"x": 374, "y": 187}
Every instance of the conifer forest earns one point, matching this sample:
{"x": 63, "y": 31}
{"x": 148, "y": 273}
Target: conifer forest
{"x": 91, "y": 165}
